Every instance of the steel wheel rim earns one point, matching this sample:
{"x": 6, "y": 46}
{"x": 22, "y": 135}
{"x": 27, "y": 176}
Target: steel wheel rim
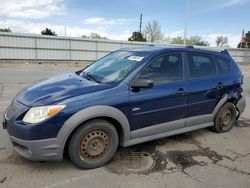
{"x": 94, "y": 145}
{"x": 226, "y": 118}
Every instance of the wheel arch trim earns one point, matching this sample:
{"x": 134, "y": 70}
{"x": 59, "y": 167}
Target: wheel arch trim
{"x": 90, "y": 113}
{"x": 222, "y": 101}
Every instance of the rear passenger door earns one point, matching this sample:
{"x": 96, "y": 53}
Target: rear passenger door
{"x": 204, "y": 86}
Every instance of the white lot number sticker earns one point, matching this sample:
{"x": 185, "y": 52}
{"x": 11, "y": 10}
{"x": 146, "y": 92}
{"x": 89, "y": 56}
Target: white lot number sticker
{"x": 135, "y": 58}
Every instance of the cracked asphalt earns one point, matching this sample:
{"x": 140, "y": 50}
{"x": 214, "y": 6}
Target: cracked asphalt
{"x": 196, "y": 159}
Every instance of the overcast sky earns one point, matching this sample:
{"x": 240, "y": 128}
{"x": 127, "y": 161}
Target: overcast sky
{"x": 116, "y": 19}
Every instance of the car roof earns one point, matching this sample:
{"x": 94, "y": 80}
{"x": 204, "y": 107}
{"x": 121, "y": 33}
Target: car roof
{"x": 164, "y": 49}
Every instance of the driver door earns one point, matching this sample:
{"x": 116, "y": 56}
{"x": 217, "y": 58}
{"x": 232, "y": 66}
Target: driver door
{"x": 163, "y": 107}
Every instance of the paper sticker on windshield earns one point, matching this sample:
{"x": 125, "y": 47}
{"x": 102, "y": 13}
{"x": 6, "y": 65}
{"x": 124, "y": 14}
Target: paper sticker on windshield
{"x": 135, "y": 58}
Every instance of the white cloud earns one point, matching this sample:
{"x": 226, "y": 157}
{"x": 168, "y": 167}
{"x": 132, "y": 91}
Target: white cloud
{"x": 31, "y": 9}
{"x": 124, "y": 36}
{"x": 21, "y": 26}
{"x": 103, "y": 21}
{"x": 179, "y": 33}
{"x": 233, "y": 39}
{"x": 228, "y": 3}
{"x": 35, "y": 28}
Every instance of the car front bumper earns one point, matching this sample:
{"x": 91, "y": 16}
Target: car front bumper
{"x": 38, "y": 150}
{"x": 27, "y": 140}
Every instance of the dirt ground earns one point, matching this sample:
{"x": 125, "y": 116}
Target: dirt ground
{"x": 196, "y": 159}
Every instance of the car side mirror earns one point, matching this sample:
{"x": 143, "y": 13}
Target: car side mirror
{"x": 142, "y": 83}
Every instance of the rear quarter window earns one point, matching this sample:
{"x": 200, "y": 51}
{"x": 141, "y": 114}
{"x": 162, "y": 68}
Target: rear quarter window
{"x": 224, "y": 66}
{"x": 201, "y": 66}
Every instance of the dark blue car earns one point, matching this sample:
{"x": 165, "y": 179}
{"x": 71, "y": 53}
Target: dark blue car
{"x": 128, "y": 97}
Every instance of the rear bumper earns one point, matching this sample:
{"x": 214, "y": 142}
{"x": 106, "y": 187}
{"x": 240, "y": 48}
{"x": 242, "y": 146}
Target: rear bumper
{"x": 38, "y": 150}
{"x": 4, "y": 124}
{"x": 241, "y": 105}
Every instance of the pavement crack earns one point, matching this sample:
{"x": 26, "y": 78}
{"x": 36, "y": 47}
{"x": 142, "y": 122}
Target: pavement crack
{"x": 235, "y": 170}
{"x": 2, "y": 148}
{"x": 1, "y": 89}
{"x": 135, "y": 160}
{"x": 243, "y": 123}
{"x": 2, "y": 180}
{"x": 237, "y": 155}
{"x": 191, "y": 177}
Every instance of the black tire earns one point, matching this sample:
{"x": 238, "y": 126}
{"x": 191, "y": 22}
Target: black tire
{"x": 225, "y": 118}
{"x": 93, "y": 144}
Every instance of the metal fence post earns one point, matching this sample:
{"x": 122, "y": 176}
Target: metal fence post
{"x": 36, "y": 53}
{"x": 96, "y": 50}
{"x": 70, "y": 50}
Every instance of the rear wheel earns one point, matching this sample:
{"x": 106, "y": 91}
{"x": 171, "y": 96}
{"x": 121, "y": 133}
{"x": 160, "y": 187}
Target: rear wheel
{"x": 94, "y": 144}
{"x": 225, "y": 118}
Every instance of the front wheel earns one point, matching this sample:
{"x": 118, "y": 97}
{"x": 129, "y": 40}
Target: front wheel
{"x": 225, "y": 118}
{"x": 93, "y": 144}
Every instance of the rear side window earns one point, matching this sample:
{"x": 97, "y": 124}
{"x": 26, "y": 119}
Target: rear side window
{"x": 200, "y": 66}
{"x": 224, "y": 66}
{"x": 165, "y": 69}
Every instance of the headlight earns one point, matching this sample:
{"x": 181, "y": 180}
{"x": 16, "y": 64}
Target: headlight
{"x": 38, "y": 114}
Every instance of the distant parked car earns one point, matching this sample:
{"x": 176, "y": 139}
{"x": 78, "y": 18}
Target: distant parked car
{"x": 128, "y": 97}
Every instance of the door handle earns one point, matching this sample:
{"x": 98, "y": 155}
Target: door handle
{"x": 219, "y": 86}
{"x": 181, "y": 91}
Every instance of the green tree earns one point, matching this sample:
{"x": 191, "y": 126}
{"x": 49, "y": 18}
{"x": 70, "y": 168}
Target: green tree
{"x": 48, "y": 31}
{"x": 153, "y": 32}
{"x": 93, "y": 36}
{"x": 195, "y": 40}
{"x": 5, "y": 30}
{"x": 85, "y": 36}
{"x": 248, "y": 39}
{"x": 96, "y": 36}
{"x": 248, "y": 36}
{"x": 177, "y": 40}
{"x": 137, "y": 36}
{"x": 246, "y": 42}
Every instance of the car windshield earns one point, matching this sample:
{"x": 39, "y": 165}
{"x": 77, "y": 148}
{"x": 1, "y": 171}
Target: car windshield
{"x": 113, "y": 67}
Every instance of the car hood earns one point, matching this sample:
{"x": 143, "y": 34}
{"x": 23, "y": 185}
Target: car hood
{"x": 55, "y": 89}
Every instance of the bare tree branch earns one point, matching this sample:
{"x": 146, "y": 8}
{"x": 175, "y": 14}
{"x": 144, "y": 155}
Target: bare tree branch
{"x": 153, "y": 32}
{"x": 221, "y": 41}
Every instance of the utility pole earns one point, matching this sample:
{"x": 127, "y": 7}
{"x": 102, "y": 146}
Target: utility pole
{"x": 186, "y": 22}
{"x": 140, "y": 23}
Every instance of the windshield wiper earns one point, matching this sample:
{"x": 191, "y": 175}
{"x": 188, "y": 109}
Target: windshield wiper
{"x": 83, "y": 74}
{"x": 90, "y": 76}
{"x": 93, "y": 78}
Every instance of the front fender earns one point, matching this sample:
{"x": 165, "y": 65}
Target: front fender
{"x": 89, "y": 113}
